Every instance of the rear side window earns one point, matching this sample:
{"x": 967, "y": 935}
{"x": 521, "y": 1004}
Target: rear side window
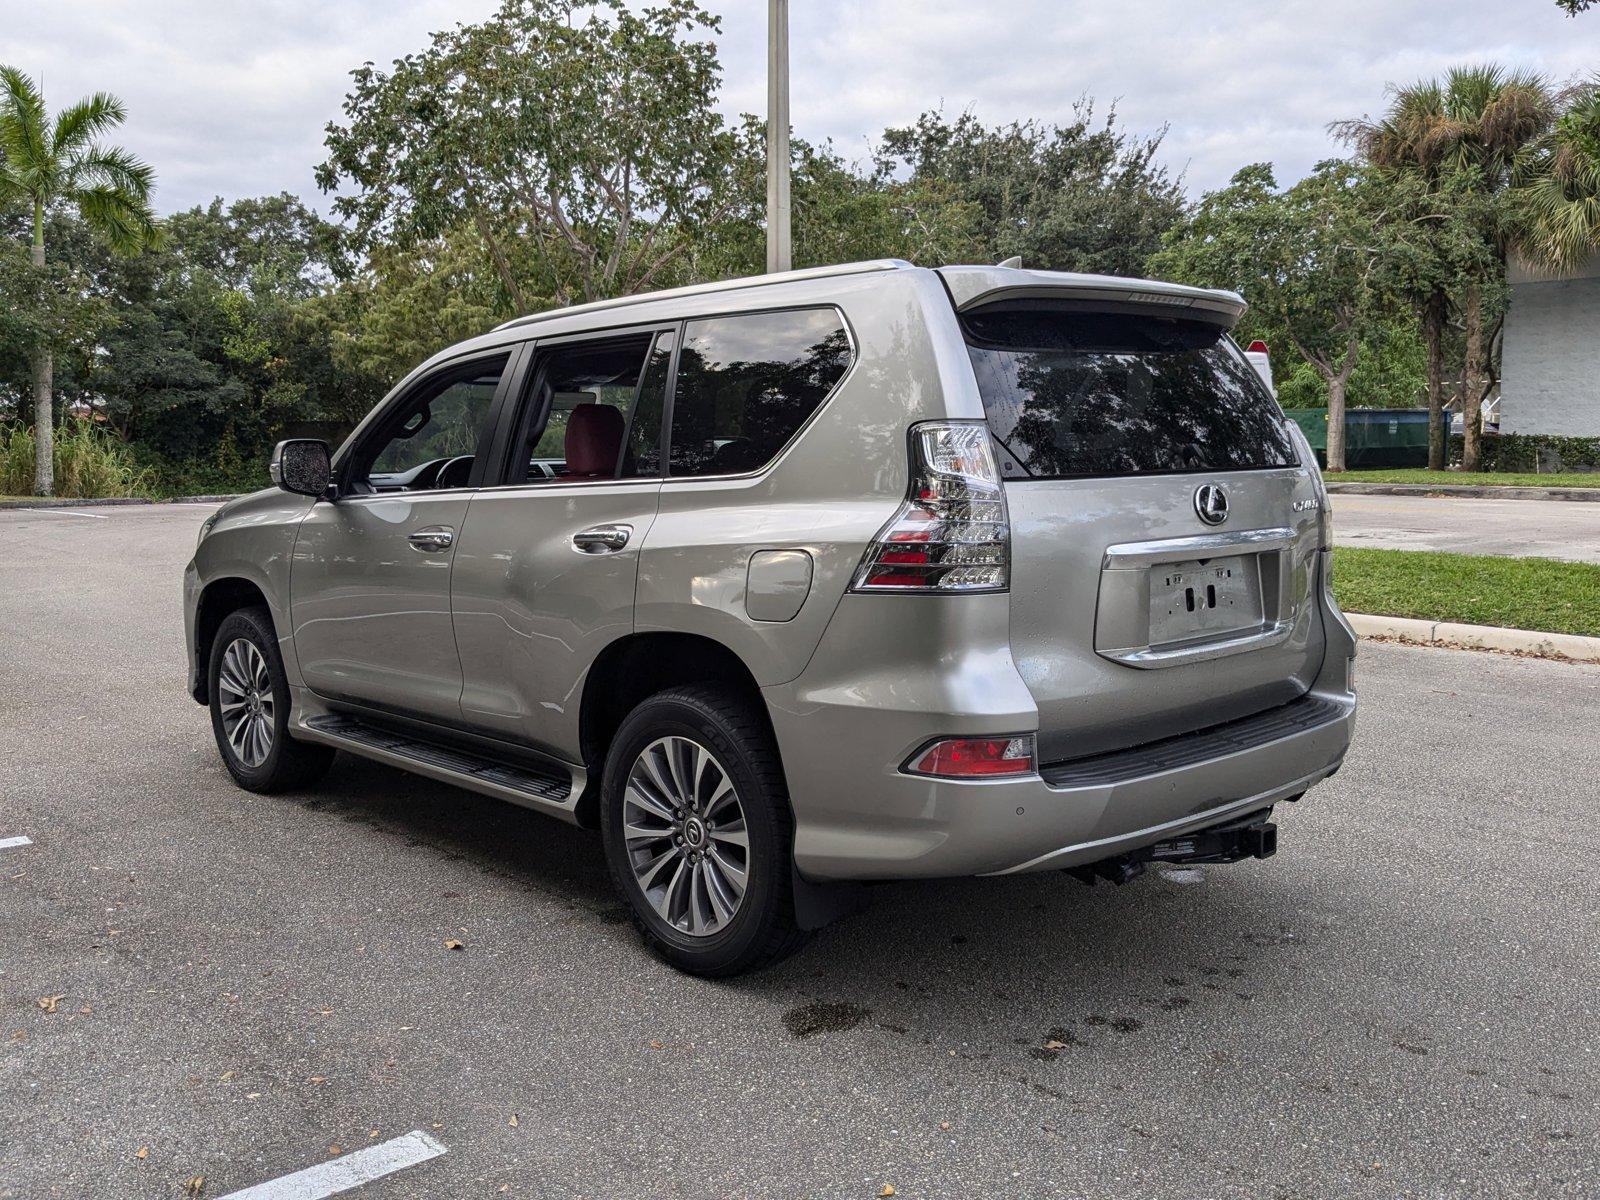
{"x": 1070, "y": 391}
{"x": 747, "y": 383}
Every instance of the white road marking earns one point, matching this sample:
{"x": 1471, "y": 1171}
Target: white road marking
{"x": 65, "y": 512}
{"x": 8, "y": 843}
{"x": 351, "y": 1171}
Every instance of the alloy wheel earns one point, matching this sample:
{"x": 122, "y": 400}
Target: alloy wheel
{"x": 686, "y": 838}
{"x": 244, "y": 697}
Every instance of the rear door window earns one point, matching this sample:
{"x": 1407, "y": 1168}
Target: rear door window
{"x": 627, "y": 373}
{"x": 1074, "y": 391}
{"x": 747, "y": 383}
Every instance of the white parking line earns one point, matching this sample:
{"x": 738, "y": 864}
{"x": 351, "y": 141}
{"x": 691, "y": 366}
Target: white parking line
{"x": 8, "y": 843}
{"x": 342, "y": 1174}
{"x": 65, "y": 512}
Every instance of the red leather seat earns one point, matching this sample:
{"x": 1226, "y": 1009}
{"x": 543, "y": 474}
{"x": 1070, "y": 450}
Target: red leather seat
{"x": 594, "y": 441}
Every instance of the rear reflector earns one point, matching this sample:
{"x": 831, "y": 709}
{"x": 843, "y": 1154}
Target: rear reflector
{"x": 975, "y": 758}
{"x": 1258, "y": 347}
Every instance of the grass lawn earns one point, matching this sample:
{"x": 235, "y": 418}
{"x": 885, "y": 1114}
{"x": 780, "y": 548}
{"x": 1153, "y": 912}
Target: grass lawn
{"x": 1476, "y": 478}
{"x": 1523, "y": 593}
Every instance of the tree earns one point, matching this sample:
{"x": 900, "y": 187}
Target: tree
{"x": 1558, "y": 196}
{"x": 43, "y": 164}
{"x": 1084, "y": 196}
{"x": 1574, "y": 7}
{"x": 1461, "y": 136}
{"x": 580, "y": 140}
{"x": 1307, "y": 258}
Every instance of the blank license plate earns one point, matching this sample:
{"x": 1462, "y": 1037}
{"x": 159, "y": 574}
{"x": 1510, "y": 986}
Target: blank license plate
{"x": 1198, "y": 599}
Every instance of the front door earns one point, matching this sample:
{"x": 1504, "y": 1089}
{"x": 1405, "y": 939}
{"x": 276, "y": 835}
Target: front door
{"x": 546, "y": 568}
{"x": 370, "y": 581}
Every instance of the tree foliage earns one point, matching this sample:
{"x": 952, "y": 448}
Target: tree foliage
{"x": 1084, "y": 196}
{"x": 1306, "y": 257}
{"x": 584, "y": 131}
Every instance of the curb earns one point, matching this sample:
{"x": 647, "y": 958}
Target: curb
{"x": 108, "y": 501}
{"x": 1569, "y": 646}
{"x": 1477, "y": 491}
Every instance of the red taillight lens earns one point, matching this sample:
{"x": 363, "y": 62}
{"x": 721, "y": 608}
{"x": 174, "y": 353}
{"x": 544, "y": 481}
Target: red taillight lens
{"x": 1258, "y": 347}
{"x": 975, "y": 758}
{"x": 951, "y": 534}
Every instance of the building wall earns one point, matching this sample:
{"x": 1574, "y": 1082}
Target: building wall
{"x": 1550, "y": 358}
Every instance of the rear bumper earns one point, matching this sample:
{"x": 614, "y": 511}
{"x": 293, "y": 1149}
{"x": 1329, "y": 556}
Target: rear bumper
{"x": 858, "y": 817}
{"x": 909, "y": 828}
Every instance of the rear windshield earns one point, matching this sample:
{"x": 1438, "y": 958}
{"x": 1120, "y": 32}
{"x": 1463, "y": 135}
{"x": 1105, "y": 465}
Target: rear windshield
{"x": 1072, "y": 392}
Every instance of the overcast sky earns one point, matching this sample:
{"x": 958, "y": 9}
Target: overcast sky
{"x": 231, "y": 98}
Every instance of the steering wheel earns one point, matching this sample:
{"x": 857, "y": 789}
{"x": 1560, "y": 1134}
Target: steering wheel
{"x": 454, "y": 473}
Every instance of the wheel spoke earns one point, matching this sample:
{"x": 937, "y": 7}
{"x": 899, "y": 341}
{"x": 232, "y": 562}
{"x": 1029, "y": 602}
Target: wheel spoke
{"x": 736, "y": 877}
{"x": 697, "y": 882}
{"x": 640, "y": 796}
{"x": 733, "y": 833}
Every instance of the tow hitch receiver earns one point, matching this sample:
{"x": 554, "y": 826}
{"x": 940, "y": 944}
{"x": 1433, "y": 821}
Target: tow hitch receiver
{"x": 1252, "y": 836}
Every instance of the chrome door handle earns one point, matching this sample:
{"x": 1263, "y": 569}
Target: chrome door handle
{"x": 432, "y": 539}
{"x": 602, "y": 539}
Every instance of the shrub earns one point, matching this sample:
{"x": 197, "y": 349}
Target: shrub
{"x": 1535, "y": 453}
{"x": 89, "y": 463}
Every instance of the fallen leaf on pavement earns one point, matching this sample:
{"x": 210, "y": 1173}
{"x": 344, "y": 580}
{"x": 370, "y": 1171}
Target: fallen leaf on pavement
{"x": 226, "y": 1077}
{"x": 48, "y": 1003}
{"x": 334, "y": 1149}
{"x": 656, "y": 1044}
{"x": 85, "y": 1010}
{"x": 142, "y": 1152}
{"x": 886, "y": 1190}
{"x": 319, "y": 1079}
{"x": 513, "y": 1122}
{"x": 944, "y": 1124}
{"x": 1052, "y": 1044}
{"x": 452, "y": 944}
{"x": 196, "y": 1185}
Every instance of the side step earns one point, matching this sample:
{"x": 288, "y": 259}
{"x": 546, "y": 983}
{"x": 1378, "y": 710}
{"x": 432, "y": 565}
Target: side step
{"x": 552, "y": 788}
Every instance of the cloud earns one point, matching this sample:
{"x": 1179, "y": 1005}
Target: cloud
{"x": 231, "y": 98}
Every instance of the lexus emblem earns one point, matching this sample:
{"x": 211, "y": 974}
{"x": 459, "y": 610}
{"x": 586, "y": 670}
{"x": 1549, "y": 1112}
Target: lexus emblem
{"x": 1211, "y": 503}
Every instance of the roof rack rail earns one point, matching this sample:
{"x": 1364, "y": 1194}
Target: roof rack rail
{"x": 721, "y": 285}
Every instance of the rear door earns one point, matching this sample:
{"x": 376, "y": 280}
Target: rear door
{"x": 547, "y": 563}
{"x": 1163, "y": 531}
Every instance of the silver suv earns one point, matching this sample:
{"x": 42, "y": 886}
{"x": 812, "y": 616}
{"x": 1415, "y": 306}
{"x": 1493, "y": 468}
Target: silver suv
{"x": 791, "y": 583}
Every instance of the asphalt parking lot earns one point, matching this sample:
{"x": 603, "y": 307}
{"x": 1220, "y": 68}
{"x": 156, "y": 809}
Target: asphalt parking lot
{"x": 199, "y": 983}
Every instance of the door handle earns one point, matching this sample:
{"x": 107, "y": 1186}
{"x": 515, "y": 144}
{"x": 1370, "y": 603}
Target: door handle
{"x": 602, "y": 539}
{"x": 432, "y": 539}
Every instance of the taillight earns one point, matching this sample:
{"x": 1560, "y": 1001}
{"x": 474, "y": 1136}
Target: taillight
{"x": 975, "y": 758}
{"x": 951, "y": 533}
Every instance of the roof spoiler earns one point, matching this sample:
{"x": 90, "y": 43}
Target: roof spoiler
{"x": 973, "y": 287}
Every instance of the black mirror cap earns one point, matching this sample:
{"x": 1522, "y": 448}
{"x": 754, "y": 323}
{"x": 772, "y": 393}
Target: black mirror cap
{"x": 302, "y": 466}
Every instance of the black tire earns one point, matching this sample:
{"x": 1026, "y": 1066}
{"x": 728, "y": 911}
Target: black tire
{"x": 287, "y": 764}
{"x": 762, "y": 929}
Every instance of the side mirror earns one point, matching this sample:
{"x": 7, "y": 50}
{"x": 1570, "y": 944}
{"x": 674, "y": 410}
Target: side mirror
{"x": 302, "y": 466}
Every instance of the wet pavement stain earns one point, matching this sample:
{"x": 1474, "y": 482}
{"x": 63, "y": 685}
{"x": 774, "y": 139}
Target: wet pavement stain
{"x": 824, "y": 1016}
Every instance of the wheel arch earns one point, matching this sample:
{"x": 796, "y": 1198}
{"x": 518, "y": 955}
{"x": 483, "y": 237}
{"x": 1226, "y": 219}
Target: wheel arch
{"x": 219, "y": 598}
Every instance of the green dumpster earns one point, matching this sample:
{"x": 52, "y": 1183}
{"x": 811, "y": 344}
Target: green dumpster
{"x": 1373, "y": 437}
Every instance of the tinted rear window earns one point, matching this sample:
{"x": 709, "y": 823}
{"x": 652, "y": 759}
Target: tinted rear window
{"x": 747, "y": 383}
{"x": 1074, "y": 392}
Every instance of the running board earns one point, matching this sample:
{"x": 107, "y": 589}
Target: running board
{"x": 552, "y": 788}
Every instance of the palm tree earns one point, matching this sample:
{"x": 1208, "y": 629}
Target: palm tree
{"x": 43, "y": 163}
{"x": 1559, "y": 196}
{"x": 1477, "y": 124}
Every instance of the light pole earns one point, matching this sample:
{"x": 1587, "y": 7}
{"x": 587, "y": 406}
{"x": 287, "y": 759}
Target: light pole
{"x": 778, "y": 242}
